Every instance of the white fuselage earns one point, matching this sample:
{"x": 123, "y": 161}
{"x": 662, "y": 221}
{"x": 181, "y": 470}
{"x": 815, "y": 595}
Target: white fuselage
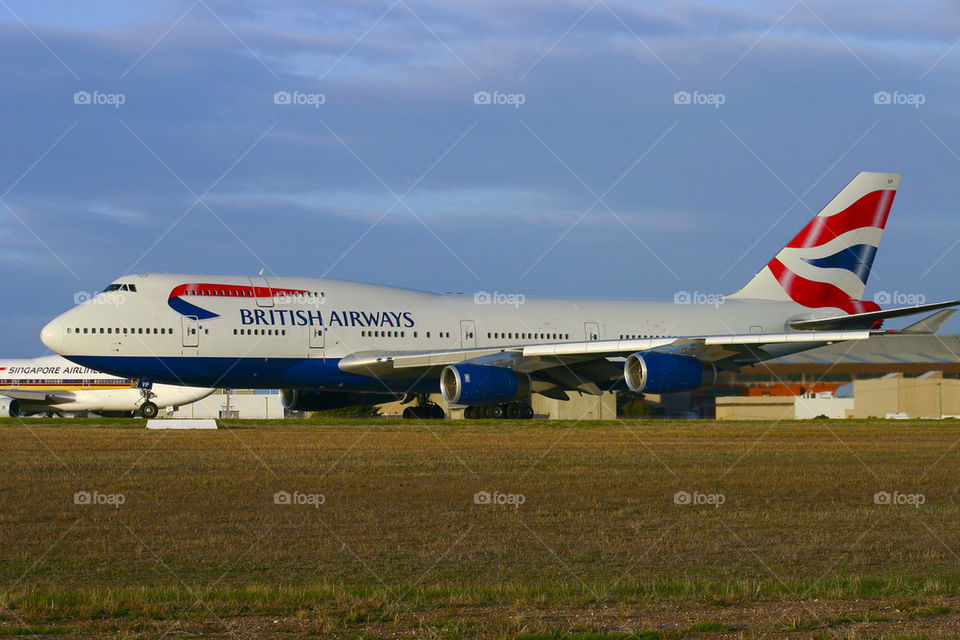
{"x": 71, "y": 388}
{"x": 235, "y": 331}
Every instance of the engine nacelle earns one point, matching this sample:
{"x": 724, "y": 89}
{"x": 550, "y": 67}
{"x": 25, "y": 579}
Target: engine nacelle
{"x": 655, "y": 372}
{"x": 305, "y": 400}
{"x": 474, "y": 384}
{"x": 9, "y": 407}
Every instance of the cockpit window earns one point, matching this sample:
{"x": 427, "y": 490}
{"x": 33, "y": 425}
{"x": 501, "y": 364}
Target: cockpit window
{"x": 121, "y": 287}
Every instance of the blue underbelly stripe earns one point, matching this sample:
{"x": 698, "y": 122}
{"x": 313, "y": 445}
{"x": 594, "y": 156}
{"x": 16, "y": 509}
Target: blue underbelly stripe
{"x": 257, "y": 373}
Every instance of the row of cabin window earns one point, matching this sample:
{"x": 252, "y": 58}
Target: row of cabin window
{"x": 399, "y": 334}
{"x": 529, "y": 336}
{"x": 259, "y": 332}
{"x": 635, "y": 336}
{"x": 126, "y": 331}
{"x": 240, "y": 293}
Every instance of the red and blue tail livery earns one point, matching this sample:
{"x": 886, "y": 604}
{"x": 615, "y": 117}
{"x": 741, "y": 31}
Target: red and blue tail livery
{"x": 827, "y": 264}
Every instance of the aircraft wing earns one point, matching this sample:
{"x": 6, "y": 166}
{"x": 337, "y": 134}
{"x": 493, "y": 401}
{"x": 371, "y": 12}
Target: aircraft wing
{"x": 727, "y": 352}
{"x": 39, "y": 397}
{"x": 737, "y": 350}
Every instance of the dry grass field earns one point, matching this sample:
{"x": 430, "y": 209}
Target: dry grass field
{"x": 480, "y": 530}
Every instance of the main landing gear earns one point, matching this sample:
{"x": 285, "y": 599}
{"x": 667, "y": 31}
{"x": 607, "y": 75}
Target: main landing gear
{"x": 512, "y": 410}
{"x": 424, "y": 409}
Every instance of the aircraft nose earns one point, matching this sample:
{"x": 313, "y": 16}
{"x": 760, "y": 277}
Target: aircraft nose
{"x": 52, "y": 335}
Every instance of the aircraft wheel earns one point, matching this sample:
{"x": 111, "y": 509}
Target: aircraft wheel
{"x": 470, "y": 412}
{"x": 497, "y": 411}
{"x": 437, "y": 413}
{"x": 513, "y": 411}
{"x": 526, "y": 412}
{"x": 149, "y": 410}
{"x": 409, "y": 413}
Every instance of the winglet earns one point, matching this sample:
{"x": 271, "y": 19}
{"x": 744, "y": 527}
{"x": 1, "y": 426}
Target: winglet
{"x": 930, "y": 324}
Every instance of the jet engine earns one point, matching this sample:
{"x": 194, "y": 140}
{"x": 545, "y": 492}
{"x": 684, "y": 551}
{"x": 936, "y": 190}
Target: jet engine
{"x": 655, "y": 372}
{"x": 479, "y": 385}
{"x": 9, "y": 407}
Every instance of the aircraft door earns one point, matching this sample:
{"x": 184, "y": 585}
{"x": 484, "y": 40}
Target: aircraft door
{"x": 468, "y": 334}
{"x": 317, "y": 337}
{"x": 262, "y": 291}
{"x": 190, "y": 331}
{"x": 591, "y": 330}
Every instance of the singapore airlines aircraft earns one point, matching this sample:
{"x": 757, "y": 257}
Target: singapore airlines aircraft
{"x": 312, "y": 337}
{"x": 52, "y": 384}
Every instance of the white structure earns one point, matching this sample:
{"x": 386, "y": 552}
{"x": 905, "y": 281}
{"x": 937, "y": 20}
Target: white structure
{"x": 822, "y": 404}
{"x": 245, "y": 405}
{"x": 173, "y": 423}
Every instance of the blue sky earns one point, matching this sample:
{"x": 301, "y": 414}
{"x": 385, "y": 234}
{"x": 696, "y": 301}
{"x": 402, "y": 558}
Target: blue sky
{"x": 598, "y": 184}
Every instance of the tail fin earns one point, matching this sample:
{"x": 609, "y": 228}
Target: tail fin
{"x": 828, "y": 263}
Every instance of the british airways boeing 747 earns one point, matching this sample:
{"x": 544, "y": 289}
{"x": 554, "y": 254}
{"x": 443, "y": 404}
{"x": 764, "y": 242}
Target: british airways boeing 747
{"x": 319, "y": 337}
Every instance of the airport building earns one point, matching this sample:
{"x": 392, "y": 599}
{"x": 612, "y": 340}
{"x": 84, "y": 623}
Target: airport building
{"x": 895, "y": 375}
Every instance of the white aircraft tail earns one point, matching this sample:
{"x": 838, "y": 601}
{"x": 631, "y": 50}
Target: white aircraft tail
{"x": 828, "y": 263}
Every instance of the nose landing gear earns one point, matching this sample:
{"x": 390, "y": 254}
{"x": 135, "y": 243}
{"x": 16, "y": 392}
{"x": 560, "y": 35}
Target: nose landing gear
{"x": 148, "y": 409}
